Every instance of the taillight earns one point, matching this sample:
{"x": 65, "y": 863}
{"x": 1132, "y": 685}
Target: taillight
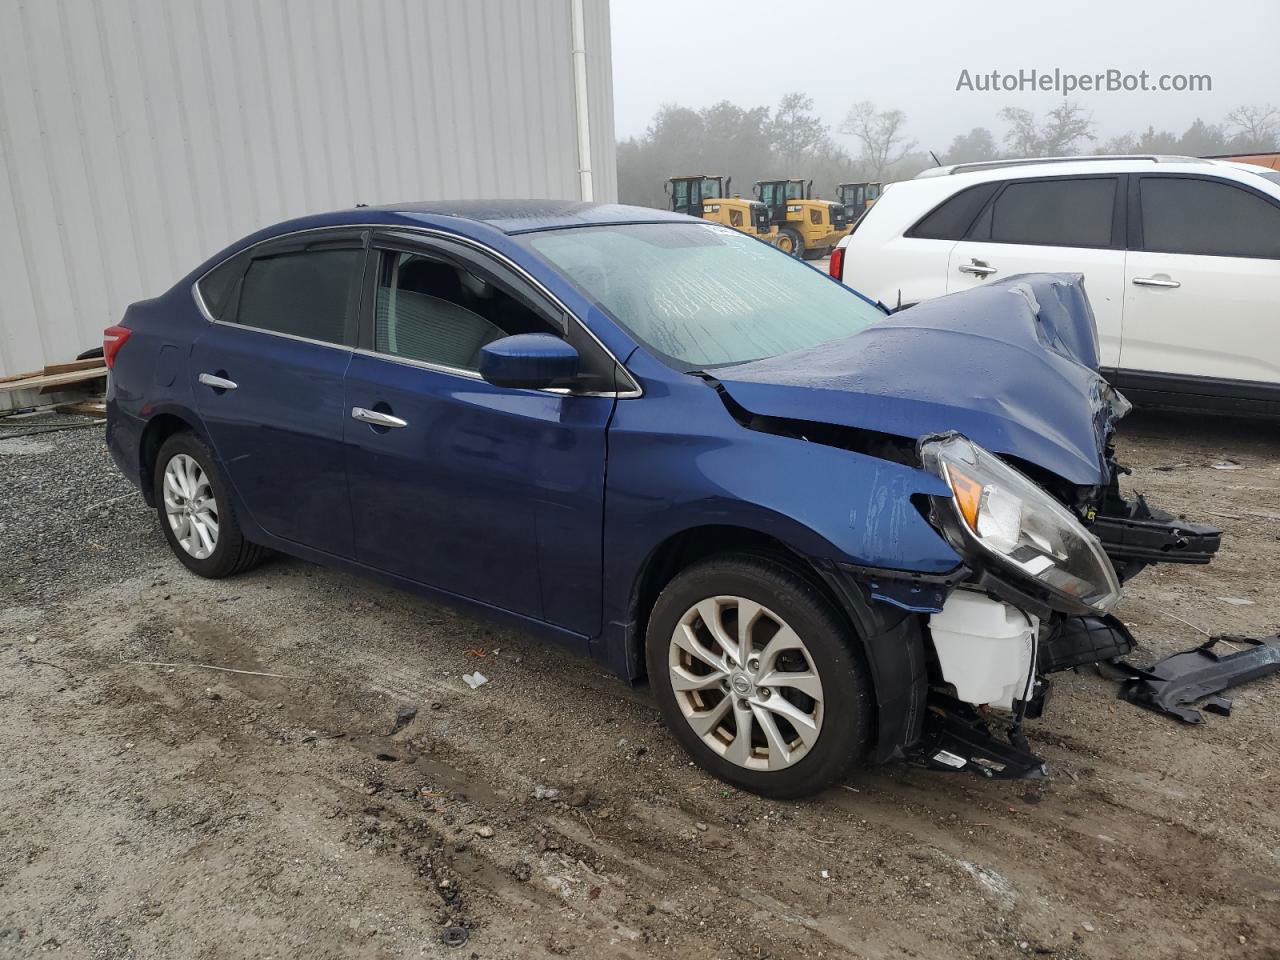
{"x": 836, "y": 266}
{"x": 113, "y": 339}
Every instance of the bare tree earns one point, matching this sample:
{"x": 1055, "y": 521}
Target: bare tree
{"x": 882, "y": 136}
{"x": 1256, "y": 128}
{"x": 1066, "y": 125}
{"x": 795, "y": 132}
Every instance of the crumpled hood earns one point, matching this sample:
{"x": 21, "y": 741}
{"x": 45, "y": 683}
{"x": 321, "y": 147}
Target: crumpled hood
{"x": 1012, "y": 365}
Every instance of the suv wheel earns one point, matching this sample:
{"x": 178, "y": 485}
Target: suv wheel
{"x": 756, "y": 677}
{"x": 195, "y": 511}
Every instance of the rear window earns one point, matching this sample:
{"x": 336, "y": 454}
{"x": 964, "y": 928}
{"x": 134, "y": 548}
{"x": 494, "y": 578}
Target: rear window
{"x": 309, "y": 294}
{"x": 951, "y": 220}
{"x": 1055, "y": 213}
{"x": 1207, "y": 217}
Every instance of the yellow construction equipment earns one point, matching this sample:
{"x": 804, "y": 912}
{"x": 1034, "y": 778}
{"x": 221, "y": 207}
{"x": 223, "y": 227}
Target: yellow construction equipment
{"x": 807, "y": 227}
{"x": 708, "y": 198}
{"x": 857, "y": 198}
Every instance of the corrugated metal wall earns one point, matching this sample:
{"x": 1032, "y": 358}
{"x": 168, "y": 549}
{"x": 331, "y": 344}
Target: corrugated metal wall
{"x": 137, "y": 137}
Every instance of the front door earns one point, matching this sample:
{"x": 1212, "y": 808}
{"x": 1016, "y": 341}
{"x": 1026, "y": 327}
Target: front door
{"x": 269, "y": 382}
{"x": 1202, "y": 291}
{"x": 1060, "y": 224}
{"x": 491, "y": 493}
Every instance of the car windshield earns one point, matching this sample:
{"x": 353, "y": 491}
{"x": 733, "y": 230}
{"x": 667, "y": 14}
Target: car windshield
{"x": 702, "y": 295}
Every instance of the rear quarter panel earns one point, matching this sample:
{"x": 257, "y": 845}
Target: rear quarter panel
{"x": 886, "y": 265}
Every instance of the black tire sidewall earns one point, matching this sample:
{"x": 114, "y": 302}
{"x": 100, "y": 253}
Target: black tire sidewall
{"x": 847, "y": 720}
{"x": 226, "y": 551}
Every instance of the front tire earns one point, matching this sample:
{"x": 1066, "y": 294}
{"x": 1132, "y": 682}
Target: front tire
{"x": 195, "y": 510}
{"x": 790, "y": 241}
{"x": 756, "y": 677}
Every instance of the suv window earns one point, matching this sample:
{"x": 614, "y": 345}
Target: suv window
{"x": 1207, "y": 217}
{"x": 1075, "y": 212}
{"x": 951, "y": 219}
{"x": 308, "y": 293}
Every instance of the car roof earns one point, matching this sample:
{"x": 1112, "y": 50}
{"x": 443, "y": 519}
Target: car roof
{"x": 525, "y": 216}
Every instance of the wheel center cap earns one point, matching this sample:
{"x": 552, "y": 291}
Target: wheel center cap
{"x": 741, "y": 684}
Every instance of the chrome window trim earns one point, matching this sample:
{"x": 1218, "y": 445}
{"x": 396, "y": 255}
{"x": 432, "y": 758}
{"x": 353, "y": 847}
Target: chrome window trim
{"x": 413, "y": 233}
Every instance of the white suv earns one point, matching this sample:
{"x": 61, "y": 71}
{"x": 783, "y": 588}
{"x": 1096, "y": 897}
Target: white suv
{"x": 1181, "y": 259}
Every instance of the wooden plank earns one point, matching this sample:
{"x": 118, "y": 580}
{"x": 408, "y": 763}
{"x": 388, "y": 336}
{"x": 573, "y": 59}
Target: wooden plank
{"x": 54, "y": 380}
{"x": 72, "y": 366}
{"x": 21, "y": 376}
{"x": 87, "y": 408}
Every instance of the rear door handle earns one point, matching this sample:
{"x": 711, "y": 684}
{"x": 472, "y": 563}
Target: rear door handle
{"x": 377, "y": 418}
{"x": 218, "y": 383}
{"x": 1156, "y": 282}
{"x": 977, "y": 268}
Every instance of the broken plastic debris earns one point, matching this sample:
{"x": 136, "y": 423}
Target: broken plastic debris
{"x": 1235, "y": 601}
{"x": 1226, "y": 465}
{"x": 474, "y": 680}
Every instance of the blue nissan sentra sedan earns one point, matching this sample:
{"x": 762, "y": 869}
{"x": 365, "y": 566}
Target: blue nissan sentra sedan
{"x": 827, "y": 535}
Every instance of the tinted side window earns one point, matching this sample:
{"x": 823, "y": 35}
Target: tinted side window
{"x": 436, "y": 311}
{"x": 220, "y": 287}
{"x": 309, "y": 293}
{"x": 1055, "y": 213}
{"x": 951, "y": 219}
{"x": 1209, "y": 218}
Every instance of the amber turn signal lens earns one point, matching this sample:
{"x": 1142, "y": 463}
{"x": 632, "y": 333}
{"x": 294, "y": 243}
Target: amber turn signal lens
{"x": 968, "y": 493}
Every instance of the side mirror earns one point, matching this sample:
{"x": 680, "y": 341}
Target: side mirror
{"x": 529, "y": 360}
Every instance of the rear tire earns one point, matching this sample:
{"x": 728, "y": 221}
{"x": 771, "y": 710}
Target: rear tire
{"x": 782, "y": 709}
{"x": 195, "y": 510}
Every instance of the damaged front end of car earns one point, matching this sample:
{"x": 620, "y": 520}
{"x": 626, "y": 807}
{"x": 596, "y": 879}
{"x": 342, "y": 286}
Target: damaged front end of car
{"x": 996, "y": 392}
{"x": 1044, "y": 576}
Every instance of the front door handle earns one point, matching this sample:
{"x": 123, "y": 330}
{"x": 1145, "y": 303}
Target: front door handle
{"x": 1156, "y": 282}
{"x": 218, "y": 383}
{"x": 377, "y": 418}
{"x": 978, "y": 268}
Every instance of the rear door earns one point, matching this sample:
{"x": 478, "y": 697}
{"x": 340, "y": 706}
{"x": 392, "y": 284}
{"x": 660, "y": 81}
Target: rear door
{"x": 1070, "y": 224}
{"x": 1202, "y": 297}
{"x": 269, "y": 374}
{"x": 491, "y": 493}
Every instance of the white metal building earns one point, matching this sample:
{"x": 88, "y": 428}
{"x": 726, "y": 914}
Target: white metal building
{"x": 137, "y": 137}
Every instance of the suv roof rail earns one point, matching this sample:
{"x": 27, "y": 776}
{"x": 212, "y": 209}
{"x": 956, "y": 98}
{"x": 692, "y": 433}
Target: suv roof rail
{"x": 1028, "y": 161}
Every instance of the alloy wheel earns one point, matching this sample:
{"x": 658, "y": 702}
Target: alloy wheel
{"x": 190, "y": 506}
{"x": 746, "y": 683}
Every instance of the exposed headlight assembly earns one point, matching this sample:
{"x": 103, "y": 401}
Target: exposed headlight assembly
{"x": 999, "y": 512}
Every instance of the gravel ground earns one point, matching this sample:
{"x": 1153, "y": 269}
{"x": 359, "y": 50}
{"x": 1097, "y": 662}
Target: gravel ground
{"x": 352, "y": 797}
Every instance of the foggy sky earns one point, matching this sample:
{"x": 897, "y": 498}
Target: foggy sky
{"x": 696, "y": 52}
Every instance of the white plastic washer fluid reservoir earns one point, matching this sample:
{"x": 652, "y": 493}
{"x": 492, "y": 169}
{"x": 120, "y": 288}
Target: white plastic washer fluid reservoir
{"x": 985, "y": 648}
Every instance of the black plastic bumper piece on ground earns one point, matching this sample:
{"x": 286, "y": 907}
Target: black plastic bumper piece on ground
{"x": 957, "y": 738}
{"x": 1077, "y": 641}
{"x": 1173, "y": 685}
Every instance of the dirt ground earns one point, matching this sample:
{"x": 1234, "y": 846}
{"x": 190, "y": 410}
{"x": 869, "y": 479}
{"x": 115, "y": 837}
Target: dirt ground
{"x": 156, "y": 809}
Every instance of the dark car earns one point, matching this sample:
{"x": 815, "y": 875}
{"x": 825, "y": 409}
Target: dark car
{"x": 824, "y": 534}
